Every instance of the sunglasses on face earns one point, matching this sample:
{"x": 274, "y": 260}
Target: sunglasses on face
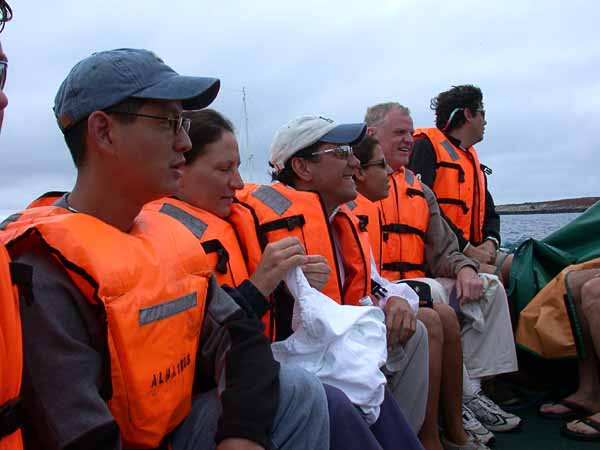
{"x": 3, "y": 70}
{"x": 176, "y": 123}
{"x": 381, "y": 163}
{"x": 341, "y": 152}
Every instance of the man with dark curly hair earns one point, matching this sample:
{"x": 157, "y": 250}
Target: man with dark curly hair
{"x": 446, "y": 161}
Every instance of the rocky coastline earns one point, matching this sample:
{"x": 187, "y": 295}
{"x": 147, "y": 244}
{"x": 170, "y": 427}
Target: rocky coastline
{"x": 569, "y": 205}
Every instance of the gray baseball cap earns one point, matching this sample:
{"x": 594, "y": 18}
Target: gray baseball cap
{"x": 304, "y": 131}
{"x": 107, "y": 78}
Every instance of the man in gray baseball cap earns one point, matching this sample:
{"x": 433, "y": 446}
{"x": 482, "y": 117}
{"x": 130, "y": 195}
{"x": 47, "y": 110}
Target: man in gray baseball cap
{"x": 129, "y": 334}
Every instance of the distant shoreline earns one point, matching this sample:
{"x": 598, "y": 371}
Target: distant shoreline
{"x": 570, "y": 205}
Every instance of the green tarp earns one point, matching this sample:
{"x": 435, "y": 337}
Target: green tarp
{"x": 536, "y": 262}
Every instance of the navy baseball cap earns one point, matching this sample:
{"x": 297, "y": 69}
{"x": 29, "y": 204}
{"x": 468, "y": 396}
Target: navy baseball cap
{"x": 107, "y": 78}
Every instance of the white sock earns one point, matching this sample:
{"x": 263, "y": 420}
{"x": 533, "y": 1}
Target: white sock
{"x": 471, "y": 386}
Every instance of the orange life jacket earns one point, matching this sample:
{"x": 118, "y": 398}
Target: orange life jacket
{"x": 11, "y": 358}
{"x": 404, "y": 223}
{"x": 264, "y": 214}
{"x": 459, "y": 184}
{"x": 370, "y": 220}
{"x": 46, "y": 199}
{"x": 150, "y": 288}
{"x": 218, "y": 238}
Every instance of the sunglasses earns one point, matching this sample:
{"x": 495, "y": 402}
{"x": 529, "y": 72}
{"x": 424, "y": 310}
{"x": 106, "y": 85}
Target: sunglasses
{"x": 381, "y": 163}
{"x": 3, "y": 70}
{"x": 341, "y": 152}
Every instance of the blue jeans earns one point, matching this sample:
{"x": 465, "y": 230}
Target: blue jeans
{"x": 301, "y": 422}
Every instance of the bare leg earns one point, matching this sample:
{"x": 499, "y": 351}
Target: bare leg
{"x": 452, "y": 376}
{"x": 590, "y": 306}
{"x": 586, "y": 296}
{"x": 428, "y": 435}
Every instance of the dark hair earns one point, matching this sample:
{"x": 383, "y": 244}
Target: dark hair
{"x": 5, "y": 14}
{"x": 364, "y": 149}
{"x": 464, "y": 96}
{"x": 75, "y": 135}
{"x": 287, "y": 175}
{"x": 207, "y": 127}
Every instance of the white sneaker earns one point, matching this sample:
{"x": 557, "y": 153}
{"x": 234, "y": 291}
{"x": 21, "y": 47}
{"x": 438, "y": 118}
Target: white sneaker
{"x": 474, "y": 427}
{"x": 491, "y": 415}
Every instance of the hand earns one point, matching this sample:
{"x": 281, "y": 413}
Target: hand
{"x": 481, "y": 255}
{"x": 276, "y": 260}
{"x": 317, "y": 271}
{"x": 238, "y": 444}
{"x": 400, "y": 321}
{"x": 469, "y": 286}
{"x": 490, "y": 249}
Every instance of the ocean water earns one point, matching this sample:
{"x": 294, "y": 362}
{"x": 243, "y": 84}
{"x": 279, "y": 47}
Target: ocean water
{"x": 516, "y": 228}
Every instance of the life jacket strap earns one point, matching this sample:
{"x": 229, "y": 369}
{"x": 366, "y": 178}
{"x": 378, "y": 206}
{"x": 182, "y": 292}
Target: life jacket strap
{"x": 215, "y": 246}
{"x": 402, "y": 267}
{"x": 454, "y": 201}
{"x": 449, "y": 165}
{"x": 363, "y": 222}
{"x": 22, "y": 277}
{"x": 288, "y": 223}
{"x": 401, "y": 228}
{"x": 411, "y": 192}
{"x": 10, "y": 417}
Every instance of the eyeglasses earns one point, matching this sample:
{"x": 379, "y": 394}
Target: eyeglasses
{"x": 3, "y": 70}
{"x": 482, "y": 111}
{"x": 381, "y": 163}
{"x": 341, "y": 152}
{"x": 176, "y": 123}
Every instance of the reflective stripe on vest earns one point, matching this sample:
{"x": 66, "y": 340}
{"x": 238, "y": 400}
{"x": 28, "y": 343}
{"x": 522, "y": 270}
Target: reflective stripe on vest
{"x": 404, "y": 223}
{"x": 150, "y": 285}
{"x": 459, "y": 184}
{"x": 217, "y": 237}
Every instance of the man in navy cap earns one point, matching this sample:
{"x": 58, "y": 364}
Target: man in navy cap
{"x": 128, "y": 340}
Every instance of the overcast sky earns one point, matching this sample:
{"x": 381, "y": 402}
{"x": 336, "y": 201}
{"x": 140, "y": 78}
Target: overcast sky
{"x": 538, "y": 64}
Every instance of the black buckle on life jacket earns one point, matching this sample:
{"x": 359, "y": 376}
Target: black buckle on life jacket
{"x": 454, "y": 201}
{"x": 290, "y": 223}
{"x": 411, "y": 192}
{"x": 486, "y": 169}
{"x": 449, "y": 165}
{"x": 214, "y": 246}
{"x": 400, "y": 228}
{"x": 363, "y": 221}
{"x": 378, "y": 290}
{"x": 10, "y": 417}
{"x": 22, "y": 276}
{"x": 402, "y": 267}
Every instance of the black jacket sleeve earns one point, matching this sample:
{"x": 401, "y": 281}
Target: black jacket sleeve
{"x": 238, "y": 355}
{"x": 491, "y": 220}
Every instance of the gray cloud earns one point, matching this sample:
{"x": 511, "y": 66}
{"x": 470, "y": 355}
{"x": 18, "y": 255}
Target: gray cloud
{"x": 537, "y": 66}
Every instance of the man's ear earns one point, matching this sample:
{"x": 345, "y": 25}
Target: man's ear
{"x": 302, "y": 168}
{"x": 360, "y": 175}
{"x": 468, "y": 114}
{"x": 371, "y": 131}
{"x": 101, "y": 132}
